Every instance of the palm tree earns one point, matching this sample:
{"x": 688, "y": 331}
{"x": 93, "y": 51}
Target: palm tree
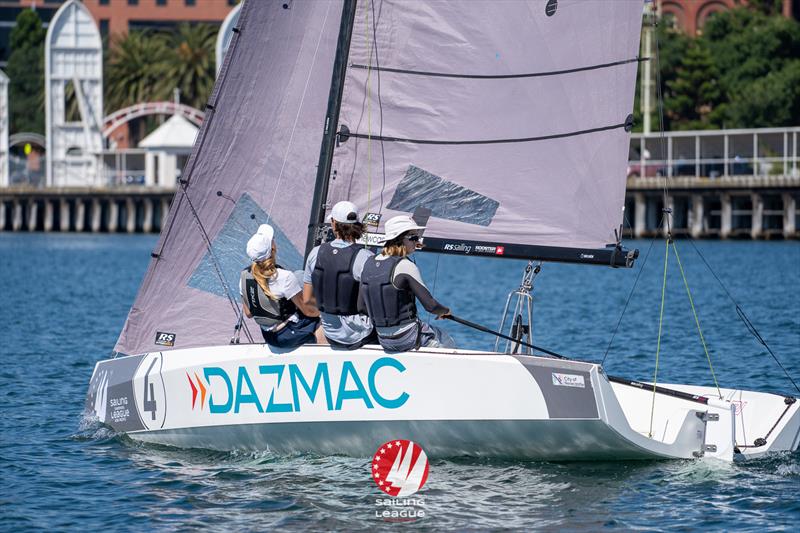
{"x": 189, "y": 63}
{"x": 135, "y": 70}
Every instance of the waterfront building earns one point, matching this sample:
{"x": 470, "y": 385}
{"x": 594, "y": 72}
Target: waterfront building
{"x": 119, "y": 16}
{"x": 690, "y": 15}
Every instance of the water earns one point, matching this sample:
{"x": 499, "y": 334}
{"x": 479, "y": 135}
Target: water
{"x": 65, "y": 297}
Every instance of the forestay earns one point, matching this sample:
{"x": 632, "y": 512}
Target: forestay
{"x": 254, "y": 161}
{"x": 507, "y": 119}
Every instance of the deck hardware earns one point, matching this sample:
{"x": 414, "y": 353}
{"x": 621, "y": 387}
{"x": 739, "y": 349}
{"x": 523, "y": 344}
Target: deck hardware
{"x": 710, "y": 448}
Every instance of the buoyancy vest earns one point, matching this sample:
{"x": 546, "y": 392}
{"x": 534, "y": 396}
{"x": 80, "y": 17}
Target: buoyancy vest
{"x": 266, "y": 311}
{"x": 335, "y": 288}
{"x": 386, "y": 304}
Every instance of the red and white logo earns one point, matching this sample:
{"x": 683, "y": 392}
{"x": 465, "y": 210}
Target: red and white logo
{"x": 400, "y": 468}
{"x": 500, "y": 250}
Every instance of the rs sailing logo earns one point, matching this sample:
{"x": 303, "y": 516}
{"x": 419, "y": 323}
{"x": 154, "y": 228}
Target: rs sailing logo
{"x": 400, "y": 468}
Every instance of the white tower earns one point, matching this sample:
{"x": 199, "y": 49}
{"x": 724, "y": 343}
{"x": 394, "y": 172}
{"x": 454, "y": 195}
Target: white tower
{"x": 4, "y": 155}
{"x": 73, "y": 97}
{"x": 226, "y": 34}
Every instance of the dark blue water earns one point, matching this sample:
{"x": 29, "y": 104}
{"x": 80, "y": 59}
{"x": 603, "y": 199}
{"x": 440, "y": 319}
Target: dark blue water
{"x": 65, "y": 297}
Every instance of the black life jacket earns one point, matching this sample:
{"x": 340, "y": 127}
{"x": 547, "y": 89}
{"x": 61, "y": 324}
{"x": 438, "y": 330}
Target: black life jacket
{"x": 335, "y": 288}
{"x": 386, "y": 304}
{"x": 266, "y": 311}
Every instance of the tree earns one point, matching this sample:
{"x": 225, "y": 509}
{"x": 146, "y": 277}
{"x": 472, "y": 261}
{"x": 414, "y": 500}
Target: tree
{"x": 758, "y": 56}
{"x": 26, "y": 73}
{"x": 135, "y": 70}
{"x": 694, "y": 98}
{"x": 189, "y": 63}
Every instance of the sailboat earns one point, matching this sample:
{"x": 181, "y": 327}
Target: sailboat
{"x": 508, "y": 123}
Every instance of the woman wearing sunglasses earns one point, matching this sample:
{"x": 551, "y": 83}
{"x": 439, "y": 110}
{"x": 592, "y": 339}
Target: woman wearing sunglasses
{"x": 390, "y": 286}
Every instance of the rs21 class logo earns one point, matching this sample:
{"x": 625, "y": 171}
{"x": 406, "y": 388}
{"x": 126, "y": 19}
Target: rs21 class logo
{"x": 165, "y": 339}
{"x": 400, "y": 468}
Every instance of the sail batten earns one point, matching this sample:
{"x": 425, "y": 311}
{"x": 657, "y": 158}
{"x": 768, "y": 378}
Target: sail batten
{"x": 496, "y": 76}
{"x": 344, "y": 135}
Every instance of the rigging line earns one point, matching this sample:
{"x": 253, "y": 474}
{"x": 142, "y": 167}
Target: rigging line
{"x": 499, "y": 76}
{"x": 380, "y": 101}
{"x": 212, "y": 254}
{"x": 658, "y": 342}
{"x": 742, "y": 315}
{"x": 660, "y": 100}
{"x": 297, "y": 116}
{"x": 696, "y": 319}
{"x": 369, "y": 106}
{"x": 485, "y": 141}
{"x": 630, "y": 294}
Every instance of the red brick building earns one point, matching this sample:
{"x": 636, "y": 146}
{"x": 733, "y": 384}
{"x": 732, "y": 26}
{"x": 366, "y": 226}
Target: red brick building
{"x": 119, "y": 16}
{"x": 691, "y": 15}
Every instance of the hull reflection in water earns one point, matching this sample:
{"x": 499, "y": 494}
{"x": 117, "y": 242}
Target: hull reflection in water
{"x": 451, "y": 402}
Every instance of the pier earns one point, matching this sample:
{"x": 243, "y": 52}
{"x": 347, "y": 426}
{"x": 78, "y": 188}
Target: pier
{"x": 719, "y": 184}
{"x": 130, "y": 209}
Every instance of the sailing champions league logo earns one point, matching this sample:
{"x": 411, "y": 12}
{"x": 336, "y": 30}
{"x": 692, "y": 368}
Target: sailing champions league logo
{"x": 400, "y": 469}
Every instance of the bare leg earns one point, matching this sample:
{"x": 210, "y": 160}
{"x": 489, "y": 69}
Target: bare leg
{"x": 320, "y": 336}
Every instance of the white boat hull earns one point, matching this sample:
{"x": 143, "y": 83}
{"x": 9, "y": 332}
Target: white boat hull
{"x": 452, "y": 402}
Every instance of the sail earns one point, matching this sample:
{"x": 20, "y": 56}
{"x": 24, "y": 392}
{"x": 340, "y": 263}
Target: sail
{"x": 254, "y": 161}
{"x": 509, "y": 120}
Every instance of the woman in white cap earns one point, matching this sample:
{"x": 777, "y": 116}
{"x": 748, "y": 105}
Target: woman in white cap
{"x": 272, "y": 296}
{"x": 390, "y": 286}
{"x": 331, "y": 278}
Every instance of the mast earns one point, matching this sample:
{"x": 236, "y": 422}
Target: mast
{"x": 331, "y": 120}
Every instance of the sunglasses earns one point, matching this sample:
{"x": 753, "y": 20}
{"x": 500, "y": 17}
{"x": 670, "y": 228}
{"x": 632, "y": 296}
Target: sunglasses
{"x": 413, "y": 238}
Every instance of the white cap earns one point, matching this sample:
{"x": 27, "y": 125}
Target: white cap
{"x": 398, "y": 225}
{"x": 345, "y": 212}
{"x": 259, "y": 247}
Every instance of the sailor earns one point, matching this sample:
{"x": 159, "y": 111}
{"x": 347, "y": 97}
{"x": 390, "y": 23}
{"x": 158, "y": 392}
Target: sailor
{"x": 390, "y": 286}
{"x": 272, "y": 296}
{"x": 331, "y": 277}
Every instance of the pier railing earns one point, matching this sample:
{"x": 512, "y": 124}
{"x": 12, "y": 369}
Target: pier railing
{"x": 716, "y": 153}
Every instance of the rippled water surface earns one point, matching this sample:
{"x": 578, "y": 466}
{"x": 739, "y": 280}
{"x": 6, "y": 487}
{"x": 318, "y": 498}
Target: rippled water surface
{"x": 65, "y": 298}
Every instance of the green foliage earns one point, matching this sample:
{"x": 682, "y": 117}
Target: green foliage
{"x": 135, "y": 70}
{"x": 189, "y": 63}
{"x": 742, "y": 72}
{"x": 694, "y": 99}
{"x": 26, "y": 74}
{"x": 147, "y": 66}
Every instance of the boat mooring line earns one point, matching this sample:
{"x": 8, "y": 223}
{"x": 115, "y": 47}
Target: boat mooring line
{"x": 499, "y": 76}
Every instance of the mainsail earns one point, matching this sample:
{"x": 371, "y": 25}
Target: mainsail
{"x": 508, "y": 120}
{"x": 254, "y": 161}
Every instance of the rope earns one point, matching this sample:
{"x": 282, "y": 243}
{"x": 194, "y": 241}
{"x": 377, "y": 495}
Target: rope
{"x": 743, "y": 316}
{"x": 630, "y": 294}
{"x": 696, "y": 319}
{"x": 369, "y": 105}
{"x": 658, "y": 343}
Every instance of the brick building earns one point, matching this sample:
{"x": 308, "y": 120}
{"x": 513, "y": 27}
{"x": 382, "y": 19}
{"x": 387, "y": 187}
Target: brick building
{"x": 119, "y": 16}
{"x": 691, "y": 15}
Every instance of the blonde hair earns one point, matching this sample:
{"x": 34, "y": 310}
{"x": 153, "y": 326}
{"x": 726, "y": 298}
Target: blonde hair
{"x": 263, "y": 271}
{"x": 396, "y": 246}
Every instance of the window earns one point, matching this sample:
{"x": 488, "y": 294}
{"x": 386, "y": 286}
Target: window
{"x": 161, "y": 2}
{"x": 189, "y": 2}
{"x": 104, "y": 2}
{"x": 133, "y": 2}
{"x": 233, "y": 2}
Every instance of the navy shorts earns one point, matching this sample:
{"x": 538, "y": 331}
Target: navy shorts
{"x": 293, "y": 334}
